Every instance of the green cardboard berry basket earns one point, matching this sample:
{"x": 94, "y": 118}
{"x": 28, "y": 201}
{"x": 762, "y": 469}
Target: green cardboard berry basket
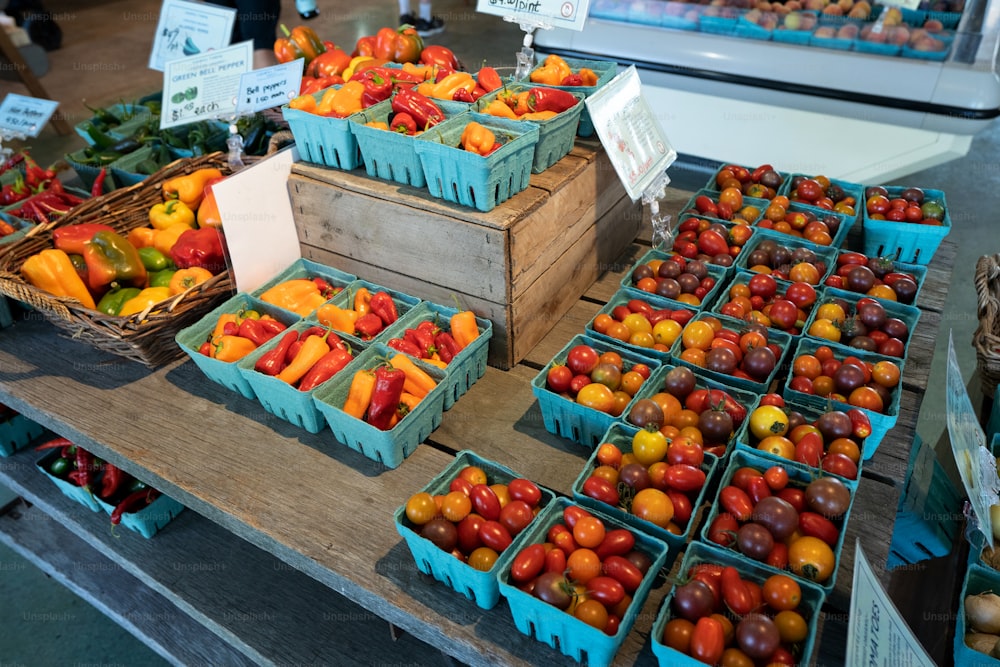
{"x": 323, "y": 140}
{"x": 605, "y": 71}
{"x": 908, "y": 242}
{"x": 391, "y": 155}
{"x": 481, "y": 587}
{"x": 813, "y": 598}
{"x": 68, "y": 489}
{"x": 908, "y": 314}
{"x": 563, "y": 631}
{"x": 470, "y": 179}
{"x": 621, "y": 298}
{"x": 978, "y": 579}
{"x": 390, "y": 447}
{"x": 151, "y": 519}
{"x": 556, "y": 135}
{"x": 226, "y": 373}
{"x": 17, "y": 432}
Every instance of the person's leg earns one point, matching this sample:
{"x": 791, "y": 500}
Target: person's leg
{"x": 427, "y": 24}
{"x": 257, "y": 20}
{"x": 406, "y": 16}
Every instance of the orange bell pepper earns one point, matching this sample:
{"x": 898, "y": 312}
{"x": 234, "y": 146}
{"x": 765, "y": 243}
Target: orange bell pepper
{"x": 478, "y": 138}
{"x": 553, "y": 70}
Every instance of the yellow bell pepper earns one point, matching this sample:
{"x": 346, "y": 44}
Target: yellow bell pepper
{"x": 377, "y": 124}
{"x": 305, "y": 103}
{"x": 185, "y": 279}
{"x": 190, "y": 187}
{"x": 164, "y": 239}
{"x": 52, "y": 270}
{"x": 143, "y": 300}
{"x": 446, "y": 87}
{"x": 342, "y": 102}
{"x": 170, "y": 213}
{"x": 232, "y": 348}
{"x": 588, "y": 76}
{"x": 538, "y": 115}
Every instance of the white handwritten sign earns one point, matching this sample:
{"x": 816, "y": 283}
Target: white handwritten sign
{"x": 570, "y": 14}
{"x": 189, "y": 28}
{"x": 269, "y": 87}
{"x": 204, "y": 86}
{"x": 20, "y": 115}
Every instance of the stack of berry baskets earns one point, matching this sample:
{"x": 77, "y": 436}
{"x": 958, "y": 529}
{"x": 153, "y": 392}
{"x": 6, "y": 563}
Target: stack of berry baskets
{"x": 684, "y": 280}
{"x": 729, "y": 351}
{"x": 574, "y": 390}
{"x": 713, "y": 241}
{"x": 880, "y": 277}
{"x": 787, "y": 258}
{"x": 764, "y": 299}
{"x": 471, "y": 523}
{"x": 782, "y": 631}
{"x": 824, "y": 375}
{"x": 848, "y": 318}
{"x": 761, "y": 182}
{"x": 615, "y": 564}
{"x": 641, "y": 322}
{"x": 817, "y": 438}
{"x": 782, "y": 517}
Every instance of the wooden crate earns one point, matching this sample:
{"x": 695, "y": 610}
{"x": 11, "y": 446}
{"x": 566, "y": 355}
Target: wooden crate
{"x": 521, "y": 265}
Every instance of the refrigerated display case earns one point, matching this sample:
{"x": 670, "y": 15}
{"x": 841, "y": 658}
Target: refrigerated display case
{"x": 855, "y": 98}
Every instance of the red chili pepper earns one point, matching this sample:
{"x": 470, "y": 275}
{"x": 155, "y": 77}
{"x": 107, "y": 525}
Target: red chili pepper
{"x": 383, "y": 306}
{"x": 84, "y": 468}
{"x": 54, "y": 443}
{"x": 111, "y": 479}
{"x": 132, "y": 503}
{"x": 272, "y": 361}
{"x": 446, "y": 346}
{"x": 404, "y": 346}
{"x": 423, "y": 109}
{"x": 272, "y": 326}
{"x": 12, "y": 161}
{"x": 861, "y": 425}
{"x": 326, "y": 290}
{"x": 403, "y": 123}
{"x": 385, "y": 396}
{"x": 98, "y": 187}
{"x": 328, "y": 365}
{"x": 369, "y": 325}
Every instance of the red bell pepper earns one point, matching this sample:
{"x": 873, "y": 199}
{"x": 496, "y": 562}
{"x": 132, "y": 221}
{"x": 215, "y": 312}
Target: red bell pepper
{"x": 462, "y": 95}
{"x": 365, "y": 46}
{"x": 377, "y": 83}
{"x": 446, "y": 346}
{"x": 435, "y": 54}
{"x": 383, "y": 306}
{"x": 204, "y": 247}
{"x": 423, "y": 339}
{"x": 405, "y": 346}
{"x": 330, "y": 63}
{"x": 489, "y": 79}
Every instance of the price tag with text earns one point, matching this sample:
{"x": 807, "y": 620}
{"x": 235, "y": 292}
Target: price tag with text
{"x": 876, "y": 632}
{"x": 269, "y": 87}
{"x": 631, "y": 135}
{"x": 189, "y": 28}
{"x": 204, "y": 86}
{"x": 570, "y": 14}
{"x": 20, "y": 115}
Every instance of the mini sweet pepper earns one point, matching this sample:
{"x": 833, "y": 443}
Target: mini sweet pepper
{"x": 144, "y": 300}
{"x": 190, "y": 188}
{"x": 52, "y": 270}
{"x": 478, "y": 138}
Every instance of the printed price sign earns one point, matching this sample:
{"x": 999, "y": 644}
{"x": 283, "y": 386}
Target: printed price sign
{"x": 975, "y": 463}
{"x": 204, "y": 86}
{"x": 631, "y": 135}
{"x": 570, "y": 14}
{"x": 20, "y": 115}
{"x": 269, "y": 87}
{"x": 189, "y": 28}
{"x": 876, "y": 632}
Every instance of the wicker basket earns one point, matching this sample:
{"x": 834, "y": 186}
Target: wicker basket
{"x": 144, "y": 337}
{"x": 986, "y": 339}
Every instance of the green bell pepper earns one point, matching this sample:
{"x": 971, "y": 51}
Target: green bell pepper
{"x": 154, "y": 260}
{"x": 161, "y": 278}
{"x": 112, "y": 302}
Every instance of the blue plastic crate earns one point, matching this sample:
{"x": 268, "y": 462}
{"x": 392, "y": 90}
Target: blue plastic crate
{"x": 226, "y": 373}
{"x": 565, "y": 417}
{"x": 468, "y": 365}
{"x": 862, "y": 45}
{"x": 813, "y": 598}
{"x": 745, "y": 440}
{"x": 679, "y": 16}
{"x": 605, "y": 71}
{"x": 621, "y": 298}
{"x": 946, "y": 41}
{"x": 645, "y": 12}
{"x": 476, "y": 585}
{"x": 798, "y": 478}
{"x": 787, "y": 36}
{"x": 390, "y": 447}
{"x": 783, "y": 340}
{"x": 391, "y": 155}
{"x": 562, "y": 631}
{"x": 718, "y": 25}
{"x": 908, "y": 314}
{"x": 150, "y": 519}
{"x": 555, "y": 135}
{"x": 277, "y": 396}
{"x": 323, "y": 140}
{"x": 621, "y": 435}
{"x": 929, "y": 516}
{"x": 749, "y": 30}
{"x": 613, "y": 10}
{"x": 978, "y": 579}
{"x": 467, "y": 178}
{"x": 882, "y": 422}
{"x": 306, "y": 268}
{"x": 17, "y": 432}
{"x": 68, "y": 489}
{"x": 835, "y": 43}
{"x": 908, "y": 242}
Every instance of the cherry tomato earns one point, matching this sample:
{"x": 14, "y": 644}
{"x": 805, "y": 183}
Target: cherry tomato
{"x": 776, "y": 477}
{"x": 421, "y": 508}
{"x": 582, "y": 359}
{"x": 558, "y": 378}
{"x": 573, "y": 513}
{"x": 516, "y": 515}
{"x": 781, "y": 592}
{"x": 528, "y": 563}
{"x": 736, "y": 502}
{"x": 623, "y": 571}
{"x": 601, "y": 489}
{"x": 483, "y": 559}
{"x": 723, "y": 529}
{"x": 589, "y": 532}
{"x": 583, "y": 565}
{"x": 485, "y": 501}
{"x": 494, "y": 535}
{"x": 606, "y": 590}
{"x": 812, "y": 558}
{"x": 677, "y": 634}
{"x": 817, "y": 525}
{"x": 707, "y": 640}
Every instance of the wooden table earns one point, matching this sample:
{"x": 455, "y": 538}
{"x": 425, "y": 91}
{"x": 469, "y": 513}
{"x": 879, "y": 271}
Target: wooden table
{"x": 288, "y": 552}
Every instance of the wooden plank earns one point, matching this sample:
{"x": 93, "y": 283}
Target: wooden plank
{"x": 250, "y": 600}
{"x": 103, "y": 583}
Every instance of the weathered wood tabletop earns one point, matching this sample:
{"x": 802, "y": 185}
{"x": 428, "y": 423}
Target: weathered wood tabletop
{"x": 327, "y": 511}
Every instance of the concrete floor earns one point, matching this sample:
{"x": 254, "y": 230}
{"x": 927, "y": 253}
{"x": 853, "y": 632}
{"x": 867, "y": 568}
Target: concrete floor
{"x": 43, "y": 624}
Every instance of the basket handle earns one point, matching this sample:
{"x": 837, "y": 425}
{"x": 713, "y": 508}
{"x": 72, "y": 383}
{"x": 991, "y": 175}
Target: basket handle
{"x": 987, "y": 274}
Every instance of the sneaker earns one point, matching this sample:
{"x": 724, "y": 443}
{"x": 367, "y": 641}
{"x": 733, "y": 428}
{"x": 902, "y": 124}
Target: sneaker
{"x": 428, "y": 28}
{"x": 311, "y": 14}
{"x": 407, "y": 19}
